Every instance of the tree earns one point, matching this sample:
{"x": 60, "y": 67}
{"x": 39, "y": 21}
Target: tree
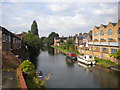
{"x": 70, "y": 41}
{"x": 50, "y": 39}
{"x": 32, "y": 42}
{"x": 34, "y": 28}
{"x": 116, "y": 55}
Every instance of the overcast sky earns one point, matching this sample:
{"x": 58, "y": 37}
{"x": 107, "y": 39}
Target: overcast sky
{"x": 64, "y": 18}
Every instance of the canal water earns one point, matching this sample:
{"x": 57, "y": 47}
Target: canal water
{"x": 67, "y": 74}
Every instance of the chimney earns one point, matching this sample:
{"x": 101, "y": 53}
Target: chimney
{"x": 80, "y": 33}
{"x": 76, "y": 34}
{"x": 84, "y": 33}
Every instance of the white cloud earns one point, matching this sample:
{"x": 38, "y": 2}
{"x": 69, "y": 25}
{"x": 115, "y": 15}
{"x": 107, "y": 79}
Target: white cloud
{"x": 59, "y": 0}
{"x": 63, "y": 18}
{"x": 56, "y": 7}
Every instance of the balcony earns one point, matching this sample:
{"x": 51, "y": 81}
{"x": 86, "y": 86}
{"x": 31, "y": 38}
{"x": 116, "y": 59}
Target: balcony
{"x": 90, "y": 43}
{"x": 104, "y": 43}
{"x": 96, "y": 43}
{"x": 113, "y": 44}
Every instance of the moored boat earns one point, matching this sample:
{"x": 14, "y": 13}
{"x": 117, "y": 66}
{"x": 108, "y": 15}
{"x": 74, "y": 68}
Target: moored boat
{"x": 71, "y": 55}
{"x": 86, "y": 59}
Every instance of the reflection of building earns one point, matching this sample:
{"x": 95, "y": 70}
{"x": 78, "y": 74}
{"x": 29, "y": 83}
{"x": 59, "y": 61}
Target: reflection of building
{"x": 58, "y": 40}
{"x": 9, "y": 40}
{"x": 105, "y": 78}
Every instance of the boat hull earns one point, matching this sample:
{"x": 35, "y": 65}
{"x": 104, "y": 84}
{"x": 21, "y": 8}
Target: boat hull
{"x": 86, "y": 62}
{"x": 71, "y": 57}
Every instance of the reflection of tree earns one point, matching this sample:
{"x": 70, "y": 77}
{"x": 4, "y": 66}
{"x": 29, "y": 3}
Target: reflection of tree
{"x": 50, "y": 50}
{"x": 105, "y": 78}
{"x": 43, "y": 48}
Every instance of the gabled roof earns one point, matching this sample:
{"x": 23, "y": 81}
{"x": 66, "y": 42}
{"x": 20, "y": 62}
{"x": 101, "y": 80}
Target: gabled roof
{"x": 80, "y": 37}
{"x": 85, "y": 36}
{"x": 97, "y": 27}
{"x": 113, "y": 24}
{"x": 105, "y": 26}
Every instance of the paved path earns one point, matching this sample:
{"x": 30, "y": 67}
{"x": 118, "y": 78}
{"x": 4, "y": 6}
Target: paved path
{"x": 9, "y": 79}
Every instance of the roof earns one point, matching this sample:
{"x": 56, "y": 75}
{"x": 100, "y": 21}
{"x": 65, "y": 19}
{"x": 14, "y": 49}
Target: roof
{"x": 85, "y": 36}
{"x": 5, "y": 31}
{"x": 105, "y": 26}
{"x": 113, "y": 24}
{"x": 80, "y": 37}
{"x": 97, "y": 27}
{"x": 61, "y": 38}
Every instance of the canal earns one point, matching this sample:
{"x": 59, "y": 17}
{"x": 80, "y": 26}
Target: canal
{"x": 73, "y": 75}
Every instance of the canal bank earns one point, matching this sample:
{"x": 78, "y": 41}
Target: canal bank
{"x": 103, "y": 63}
{"x": 53, "y": 62}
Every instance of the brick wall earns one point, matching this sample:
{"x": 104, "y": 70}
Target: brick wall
{"x": 99, "y": 55}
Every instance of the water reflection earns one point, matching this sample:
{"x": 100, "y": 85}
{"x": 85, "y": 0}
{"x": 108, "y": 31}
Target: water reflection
{"x": 87, "y": 68}
{"x": 65, "y": 70}
{"x": 105, "y": 77}
{"x": 69, "y": 62}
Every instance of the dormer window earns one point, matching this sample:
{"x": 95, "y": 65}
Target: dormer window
{"x": 110, "y": 32}
{"x": 101, "y": 33}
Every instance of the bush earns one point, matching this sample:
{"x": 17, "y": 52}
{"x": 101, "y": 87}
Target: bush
{"x": 27, "y": 67}
{"x": 116, "y": 55}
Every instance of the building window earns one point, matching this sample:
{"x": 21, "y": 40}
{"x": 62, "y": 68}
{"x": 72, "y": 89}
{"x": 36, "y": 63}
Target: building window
{"x": 9, "y": 38}
{"x": 109, "y": 39}
{"x": 101, "y": 33}
{"x": 119, "y": 39}
{"x": 13, "y": 40}
{"x": 119, "y": 30}
{"x": 110, "y": 32}
{"x": 95, "y": 48}
{"x": 101, "y": 39}
{"x": 95, "y": 33}
{"x": 3, "y": 37}
{"x": 113, "y": 51}
{"x": 103, "y": 49}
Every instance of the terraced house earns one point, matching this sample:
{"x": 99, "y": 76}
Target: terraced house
{"x": 57, "y": 40}
{"x": 105, "y": 40}
{"x": 9, "y": 40}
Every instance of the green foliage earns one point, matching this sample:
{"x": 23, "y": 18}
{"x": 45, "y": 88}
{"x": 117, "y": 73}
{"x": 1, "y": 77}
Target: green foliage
{"x": 42, "y": 40}
{"x": 70, "y": 41}
{"x": 116, "y": 55}
{"x": 32, "y": 42}
{"x": 34, "y": 28}
{"x": 30, "y": 39}
{"x": 27, "y": 67}
{"x": 104, "y": 62}
{"x": 50, "y": 39}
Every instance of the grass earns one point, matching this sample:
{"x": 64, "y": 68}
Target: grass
{"x": 101, "y": 62}
{"x": 105, "y": 63}
{"x": 65, "y": 50}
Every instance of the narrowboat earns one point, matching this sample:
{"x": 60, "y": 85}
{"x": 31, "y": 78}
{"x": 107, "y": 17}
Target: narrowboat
{"x": 86, "y": 59}
{"x": 71, "y": 55}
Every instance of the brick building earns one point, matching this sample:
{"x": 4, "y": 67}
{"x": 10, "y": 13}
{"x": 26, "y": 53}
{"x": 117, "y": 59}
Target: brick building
{"x": 9, "y": 40}
{"x": 105, "y": 40}
{"x": 81, "y": 40}
{"x": 57, "y": 40}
